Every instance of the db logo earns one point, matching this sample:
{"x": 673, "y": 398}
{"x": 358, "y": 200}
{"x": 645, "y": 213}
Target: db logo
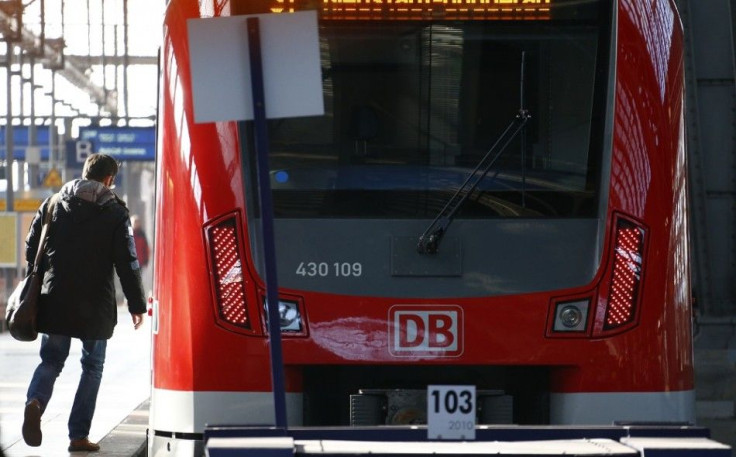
{"x": 425, "y": 330}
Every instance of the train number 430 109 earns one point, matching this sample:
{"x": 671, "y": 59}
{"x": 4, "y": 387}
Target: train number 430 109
{"x": 325, "y": 269}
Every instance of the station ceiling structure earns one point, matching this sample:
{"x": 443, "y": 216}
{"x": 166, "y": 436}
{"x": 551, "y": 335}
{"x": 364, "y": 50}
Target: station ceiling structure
{"x": 57, "y": 50}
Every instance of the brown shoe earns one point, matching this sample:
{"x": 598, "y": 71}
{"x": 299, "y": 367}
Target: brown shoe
{"x": 32, "y": 423}
{"x": 83, "y": 445}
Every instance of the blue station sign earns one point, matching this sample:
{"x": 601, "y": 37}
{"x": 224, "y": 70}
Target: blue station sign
{"x": 123, "y": 143}
{"x": 21, "y": 136}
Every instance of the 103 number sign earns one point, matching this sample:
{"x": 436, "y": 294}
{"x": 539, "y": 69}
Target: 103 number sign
{"x": 451, "y": 412}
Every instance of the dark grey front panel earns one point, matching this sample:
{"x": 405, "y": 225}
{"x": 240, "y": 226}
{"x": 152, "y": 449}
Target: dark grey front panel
{"x": 405, "y": 261}
{"x": 477, "y": 258}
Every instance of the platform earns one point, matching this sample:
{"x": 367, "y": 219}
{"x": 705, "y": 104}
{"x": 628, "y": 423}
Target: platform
{"x": 120, "y": 420}
{"x": 651, "y": 440}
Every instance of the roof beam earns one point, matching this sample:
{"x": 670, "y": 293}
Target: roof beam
{"x": 112, "y": 60}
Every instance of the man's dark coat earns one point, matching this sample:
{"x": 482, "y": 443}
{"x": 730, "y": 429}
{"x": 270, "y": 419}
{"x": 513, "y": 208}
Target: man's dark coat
{"x": 90, "y": 237}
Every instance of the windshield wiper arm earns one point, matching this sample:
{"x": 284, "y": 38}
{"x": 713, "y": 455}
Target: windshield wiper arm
{"x": 429, "y": 241}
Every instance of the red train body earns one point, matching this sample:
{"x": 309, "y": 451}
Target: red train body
{"x": 561, "y": 290}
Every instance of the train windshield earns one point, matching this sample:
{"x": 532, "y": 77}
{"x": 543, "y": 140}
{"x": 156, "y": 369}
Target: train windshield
{"x": 412, "y": 107}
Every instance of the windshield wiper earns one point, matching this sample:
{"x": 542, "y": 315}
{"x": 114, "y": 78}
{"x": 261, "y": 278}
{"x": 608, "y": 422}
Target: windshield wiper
{"x": 429, "y": 241}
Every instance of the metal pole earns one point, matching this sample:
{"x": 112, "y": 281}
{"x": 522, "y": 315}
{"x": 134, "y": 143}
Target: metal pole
{"x": 43, "y": 24}
{"x": 104, "y": 54}
{"x": 89, "y": 36}
{"x": 115, "y": 88}
{"x": 125, "y": 62}
{"x": 33, "y": 168}
{"x": 52, "y": 120}
{"x": 269, "y": 245}
{"x": 9, "y": 195}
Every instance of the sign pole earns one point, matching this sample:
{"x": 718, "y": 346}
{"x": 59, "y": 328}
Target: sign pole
{"x": 269, "y": 245}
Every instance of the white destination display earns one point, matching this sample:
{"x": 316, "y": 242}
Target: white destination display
{"x": 451, "y": 412}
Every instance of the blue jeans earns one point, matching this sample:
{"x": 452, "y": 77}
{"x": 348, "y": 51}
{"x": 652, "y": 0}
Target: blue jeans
{"x": 54, "y": 351}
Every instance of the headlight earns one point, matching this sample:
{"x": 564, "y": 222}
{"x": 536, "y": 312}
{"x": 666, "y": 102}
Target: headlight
{"x": 571, "y": 316}
{"x": 290, "y": 319}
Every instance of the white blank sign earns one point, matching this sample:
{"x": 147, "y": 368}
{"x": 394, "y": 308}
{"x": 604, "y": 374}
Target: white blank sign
{"x": 220, "y": 66}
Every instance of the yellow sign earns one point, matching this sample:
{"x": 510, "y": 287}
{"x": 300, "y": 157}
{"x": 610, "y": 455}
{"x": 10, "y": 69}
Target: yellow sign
{"x": 8, "y": 239}
{"x": 22, "y": 204}
{"x": 421, "y": 9}
{"x": 53, "y": 178}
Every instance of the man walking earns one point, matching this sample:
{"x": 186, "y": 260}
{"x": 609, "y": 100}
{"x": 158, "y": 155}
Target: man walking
{"x": 89, "y": 237}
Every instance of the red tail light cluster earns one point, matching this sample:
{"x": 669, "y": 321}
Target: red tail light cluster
{"x": 613, "y": 303}
{"x": 626, "y": 275}
{"x": 227, "y": 270}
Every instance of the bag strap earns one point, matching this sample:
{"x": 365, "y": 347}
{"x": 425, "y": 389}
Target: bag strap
{"x": 45, "y": 231}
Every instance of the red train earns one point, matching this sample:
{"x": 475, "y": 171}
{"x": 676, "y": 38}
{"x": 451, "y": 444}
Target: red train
{"x": 557, "y": 283}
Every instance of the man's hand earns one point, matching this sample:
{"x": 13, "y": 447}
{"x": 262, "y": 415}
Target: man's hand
{"x": 137, "y": 320}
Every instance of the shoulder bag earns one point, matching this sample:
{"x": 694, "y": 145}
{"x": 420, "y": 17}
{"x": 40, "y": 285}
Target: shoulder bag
{"x": 23, "y": 302}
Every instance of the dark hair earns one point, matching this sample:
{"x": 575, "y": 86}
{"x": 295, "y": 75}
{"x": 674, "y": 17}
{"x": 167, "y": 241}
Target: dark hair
{"x": 99, "y": 166}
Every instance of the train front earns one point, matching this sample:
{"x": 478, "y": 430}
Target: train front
{"x": 495, "y": 196}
